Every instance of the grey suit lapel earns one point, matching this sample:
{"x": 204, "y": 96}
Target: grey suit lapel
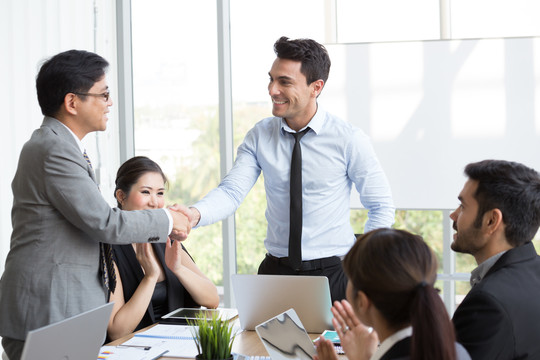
{"x": 60, "y": 129}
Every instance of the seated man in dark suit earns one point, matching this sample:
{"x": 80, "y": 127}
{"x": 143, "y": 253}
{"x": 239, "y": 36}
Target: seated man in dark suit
{"x": 498, "y": 217}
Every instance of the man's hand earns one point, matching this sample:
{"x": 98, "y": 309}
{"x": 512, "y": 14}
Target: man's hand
{"x": 192, "y": 213}
{"x": 181, "y": 225}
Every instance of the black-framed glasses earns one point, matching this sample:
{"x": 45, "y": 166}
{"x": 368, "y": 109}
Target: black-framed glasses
{"x": 104, "y": 95}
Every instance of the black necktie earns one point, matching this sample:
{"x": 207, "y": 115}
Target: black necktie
{"x": 295, "y": 226}
{"x": 105, "y": 254}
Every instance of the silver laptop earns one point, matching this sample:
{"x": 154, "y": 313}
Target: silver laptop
{"x": 285, "y": 338}
{"x": 261, "y": 297}
{"x": 76, "y": 338}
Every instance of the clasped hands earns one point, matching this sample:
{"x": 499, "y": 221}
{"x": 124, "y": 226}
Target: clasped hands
{"x": 183, "y": 220}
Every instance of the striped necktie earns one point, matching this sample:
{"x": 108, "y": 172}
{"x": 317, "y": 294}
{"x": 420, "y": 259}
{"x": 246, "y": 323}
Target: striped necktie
{"x": 87, "y": 159}
{"x": 105, "y": 254}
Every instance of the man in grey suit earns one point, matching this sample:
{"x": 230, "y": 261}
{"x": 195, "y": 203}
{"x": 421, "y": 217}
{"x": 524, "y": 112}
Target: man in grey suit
{"x": 54, "y": 269}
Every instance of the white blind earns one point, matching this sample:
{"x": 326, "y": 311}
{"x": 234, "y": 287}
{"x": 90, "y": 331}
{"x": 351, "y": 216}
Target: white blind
{"x": 31, "y": 31}
{"x": 431, "y": 107}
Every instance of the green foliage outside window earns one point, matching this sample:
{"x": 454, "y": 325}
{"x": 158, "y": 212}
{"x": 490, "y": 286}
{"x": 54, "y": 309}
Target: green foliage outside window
{"x": 198, "y": 173}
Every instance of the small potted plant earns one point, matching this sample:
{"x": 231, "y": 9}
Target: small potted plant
{"x": 214, "y": 337}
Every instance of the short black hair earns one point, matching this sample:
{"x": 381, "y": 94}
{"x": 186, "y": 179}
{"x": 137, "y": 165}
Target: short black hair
{"x": 69, "y": 71}
{"x": 514, "y": 189}
{"x": 313, "y": 56}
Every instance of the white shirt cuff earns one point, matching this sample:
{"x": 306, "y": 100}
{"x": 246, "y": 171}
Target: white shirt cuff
{"x": 169, "y": 216}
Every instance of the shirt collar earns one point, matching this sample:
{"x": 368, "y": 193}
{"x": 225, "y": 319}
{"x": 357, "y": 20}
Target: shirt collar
{"x": 391, "y": 341}
{"x": 316, "y": 123}
{"x": 478, "y": 274}
{"x": 79, "y": 142}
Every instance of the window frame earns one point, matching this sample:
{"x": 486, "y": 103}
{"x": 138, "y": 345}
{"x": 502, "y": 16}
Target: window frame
{"x": 226, "y": 134}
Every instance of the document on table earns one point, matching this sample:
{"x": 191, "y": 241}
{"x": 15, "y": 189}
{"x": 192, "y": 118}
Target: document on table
{"x": 164, "y": 331}
{"x": 177, "y": 340}
{"x": 129, "y": 353}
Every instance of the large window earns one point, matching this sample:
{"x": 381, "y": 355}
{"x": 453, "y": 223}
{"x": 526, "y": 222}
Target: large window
{"x": 175, "y": 64}
{"x": 176, "y": 107}
{"x": 251, "y": 101}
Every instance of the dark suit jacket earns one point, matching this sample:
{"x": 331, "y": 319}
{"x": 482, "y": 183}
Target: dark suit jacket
{"x": 59, "y": 217}
{"x": 402, "y": 351}
{"x": 132, "y": 274}
{"x": 500, "y": 317}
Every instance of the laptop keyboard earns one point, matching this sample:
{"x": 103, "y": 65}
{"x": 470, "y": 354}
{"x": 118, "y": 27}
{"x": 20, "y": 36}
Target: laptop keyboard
{"x": 247, "y": 357}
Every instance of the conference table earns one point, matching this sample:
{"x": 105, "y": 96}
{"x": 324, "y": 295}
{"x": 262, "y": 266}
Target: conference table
{"x": 245, "y": 343}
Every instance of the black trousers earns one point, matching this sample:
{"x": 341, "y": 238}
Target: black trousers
{"x": 330, "y": 267}
{"x": 13, "y": 348}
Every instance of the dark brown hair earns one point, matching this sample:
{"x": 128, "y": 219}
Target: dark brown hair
{"x": 514, "y": 189}
{"x": 313, "y": 56}
{"x": 397, "y": 270}
{"x": 129, "y": 173}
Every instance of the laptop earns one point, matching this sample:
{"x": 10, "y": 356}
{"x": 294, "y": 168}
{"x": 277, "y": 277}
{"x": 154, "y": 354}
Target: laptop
{"x": 285, "y": 338}
{"x": 261, "y": 297}
{"x": 76, "y": 338}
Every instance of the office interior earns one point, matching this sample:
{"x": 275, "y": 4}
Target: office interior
{"x": 436, "y": 84}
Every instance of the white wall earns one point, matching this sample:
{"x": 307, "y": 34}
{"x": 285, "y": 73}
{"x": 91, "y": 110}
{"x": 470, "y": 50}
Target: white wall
{"x": 33, "y": 30}
{"x": 431, "y": 107}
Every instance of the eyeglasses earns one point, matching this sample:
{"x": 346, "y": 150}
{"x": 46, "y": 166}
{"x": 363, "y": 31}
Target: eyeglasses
{"x": 104, "y": 95}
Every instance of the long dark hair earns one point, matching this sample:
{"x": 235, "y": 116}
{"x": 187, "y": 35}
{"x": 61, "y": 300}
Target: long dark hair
{"x": 129, "y": 173}
{"x": 396, "y": 270}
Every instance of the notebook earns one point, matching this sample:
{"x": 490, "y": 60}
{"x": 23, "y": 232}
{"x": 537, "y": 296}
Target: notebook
{"x": 285, "y": 338}
{"x": 79, "y": 337}
{"x": 261, "y": 297}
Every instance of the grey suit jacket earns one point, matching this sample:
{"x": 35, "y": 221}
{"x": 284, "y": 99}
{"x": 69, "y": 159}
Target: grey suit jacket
{"x": 59, "y": 217}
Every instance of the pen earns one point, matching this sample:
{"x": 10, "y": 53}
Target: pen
{"x": 136, "y": 346}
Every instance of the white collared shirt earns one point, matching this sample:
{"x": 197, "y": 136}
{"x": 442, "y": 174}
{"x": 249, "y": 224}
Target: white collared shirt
{"x": 335, "y": 157}
{"x": 79, "y": 142}
{"x": 391, "y": 341}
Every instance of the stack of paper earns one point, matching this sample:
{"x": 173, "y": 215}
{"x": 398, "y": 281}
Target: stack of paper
{"x": 168, "y": 340}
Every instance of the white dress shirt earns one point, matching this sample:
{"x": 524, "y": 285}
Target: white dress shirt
{"x": 335, "y": 155}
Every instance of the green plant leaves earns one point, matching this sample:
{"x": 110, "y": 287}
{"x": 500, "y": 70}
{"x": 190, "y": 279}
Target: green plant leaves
{"x": 213, "y": 337}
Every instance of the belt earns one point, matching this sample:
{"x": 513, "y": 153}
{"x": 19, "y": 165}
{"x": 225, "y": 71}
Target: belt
{"x": 308, "y": 265}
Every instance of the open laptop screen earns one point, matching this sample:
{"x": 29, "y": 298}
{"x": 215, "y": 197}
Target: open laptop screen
{"x": 75, "y": 338}
{"x": 261, "y": 297}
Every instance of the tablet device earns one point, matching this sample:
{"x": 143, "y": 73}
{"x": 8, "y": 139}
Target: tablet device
{"x": 182, "y": 315}
{"x": 285, "y": 338}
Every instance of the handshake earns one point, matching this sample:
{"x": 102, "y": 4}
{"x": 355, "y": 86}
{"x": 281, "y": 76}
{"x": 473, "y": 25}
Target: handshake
{"x": 184, "y": 219}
